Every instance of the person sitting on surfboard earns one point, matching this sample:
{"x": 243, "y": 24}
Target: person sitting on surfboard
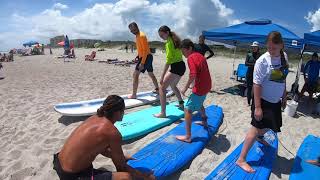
{"x": 200, "y": 75}
{"x": 177, "y": 68}
{"x": 145, "y": 60}
{"x": 97, "y": 135}
{"x": 269, "y": 89}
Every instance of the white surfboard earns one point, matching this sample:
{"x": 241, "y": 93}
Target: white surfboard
{"x": 90, "y": 107}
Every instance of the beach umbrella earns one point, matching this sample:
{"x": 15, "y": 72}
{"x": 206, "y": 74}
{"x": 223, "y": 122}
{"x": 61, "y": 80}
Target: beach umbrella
{"x": 30, "y": 43}
{"x": 66, "y": 42}
{"x": 96, "y": 45}
{"x": 61, "y": 43}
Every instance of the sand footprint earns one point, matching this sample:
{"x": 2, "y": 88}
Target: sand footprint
{"x": 23, "y": 173}
{"x": 14, "y": 154}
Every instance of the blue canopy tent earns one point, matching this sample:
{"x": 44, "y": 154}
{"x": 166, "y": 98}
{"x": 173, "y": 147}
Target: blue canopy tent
{"x": 249, "y": 31}
{"x": 30, "y": 43}
{"x": 245, "y": 33}
{"x": 312, "y": 41}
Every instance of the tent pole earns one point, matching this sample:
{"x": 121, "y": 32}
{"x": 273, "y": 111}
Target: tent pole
{"x": 296, "y": 82}
{"x": 234, "y": 60}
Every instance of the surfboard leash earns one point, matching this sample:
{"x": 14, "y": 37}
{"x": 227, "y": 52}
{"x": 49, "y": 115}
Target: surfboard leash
{"x": 286, "y": 148}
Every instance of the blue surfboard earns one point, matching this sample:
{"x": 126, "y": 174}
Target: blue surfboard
{"x": 166, "y": 155}
{"x": 260, "y": 157}
{"x": 309, "y": 150}
{"x": 143, "y": 122}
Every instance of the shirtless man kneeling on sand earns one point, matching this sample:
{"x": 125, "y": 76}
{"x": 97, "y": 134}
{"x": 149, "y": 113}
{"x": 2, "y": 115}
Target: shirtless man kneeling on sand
{"x": 96, "y": 135}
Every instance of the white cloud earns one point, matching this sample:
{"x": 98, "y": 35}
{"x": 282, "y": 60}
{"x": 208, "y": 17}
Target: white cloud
{"x": 60, "y": 6}
{"x": 108, "y": 21}
{"x": 313, "y": 18}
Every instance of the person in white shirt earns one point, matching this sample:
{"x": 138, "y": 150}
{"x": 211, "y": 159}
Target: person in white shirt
{"x": 269, "y": 78}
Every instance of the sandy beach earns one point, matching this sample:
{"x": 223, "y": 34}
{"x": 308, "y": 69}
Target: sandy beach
{"x": 31, "y": 131}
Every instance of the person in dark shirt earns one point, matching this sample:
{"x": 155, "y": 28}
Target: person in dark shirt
{"x": 202, "y": 48}
{"x": 311, "y": 75}
{"x": 251, "y": 59}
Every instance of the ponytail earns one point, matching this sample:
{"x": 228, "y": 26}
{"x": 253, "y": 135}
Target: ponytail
{"x": 284, "y": 62}
{"x": 175, "y": 38}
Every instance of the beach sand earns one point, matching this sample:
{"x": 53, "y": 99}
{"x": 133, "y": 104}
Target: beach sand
{"x": 31, "y": 131}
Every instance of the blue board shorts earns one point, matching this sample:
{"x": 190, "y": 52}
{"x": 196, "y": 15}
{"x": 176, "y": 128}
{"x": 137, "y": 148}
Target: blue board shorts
{"x": 147, "y": 66}
{"x": 195, "y": 102}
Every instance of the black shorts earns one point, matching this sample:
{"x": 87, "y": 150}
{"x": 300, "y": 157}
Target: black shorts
{"x": 148, "y": 64}
{"x": 272, "y": 117}
{"x": 83, "y": 175}
{"x": 178, "y": 68}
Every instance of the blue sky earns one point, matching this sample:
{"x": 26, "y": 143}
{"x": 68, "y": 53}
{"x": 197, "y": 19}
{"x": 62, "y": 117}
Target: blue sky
{"x": 107, "y": 20}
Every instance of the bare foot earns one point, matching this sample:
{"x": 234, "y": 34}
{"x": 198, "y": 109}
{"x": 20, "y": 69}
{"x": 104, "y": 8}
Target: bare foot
{"x": 132, "y": 96}
{"x": 184, "y": 138}
{"x": 245, "y": 166}
{"x": 203, "y": 123}
{"x": 160, "y": 115}
{"x": 314, "y": 162}
{"x": 156, "y": 91}
{"x": 262, "y": 141}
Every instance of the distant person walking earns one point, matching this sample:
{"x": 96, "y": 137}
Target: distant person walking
{"x": 126, "y": 47}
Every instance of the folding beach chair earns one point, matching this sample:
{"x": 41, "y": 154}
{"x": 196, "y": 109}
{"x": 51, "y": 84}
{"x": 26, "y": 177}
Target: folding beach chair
{"x": 241, "y": 72}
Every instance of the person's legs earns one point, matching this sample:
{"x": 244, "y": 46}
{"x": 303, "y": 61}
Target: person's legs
{"x": 187, "y": 117}
{"x": 154, "y": 80}
{"x": 249, "y": 94}
{"x": 162, "y": 92}
{"x": 173, "y": 85}
{"x": 248, "y": 142}
{"x": 204, "y": 117}
{"x": 135, "y": 85}
{"x": 310, "y": 88}
{"x": 149, "y": 68}
{"x": 303, "y": 90}
{"x": 249, "y": 83}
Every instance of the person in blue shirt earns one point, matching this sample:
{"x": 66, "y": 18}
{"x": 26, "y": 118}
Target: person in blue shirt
{"x": 311, "y": 75}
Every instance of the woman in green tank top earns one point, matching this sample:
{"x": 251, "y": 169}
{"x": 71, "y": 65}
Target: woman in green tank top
{"x": 177, "y": 68}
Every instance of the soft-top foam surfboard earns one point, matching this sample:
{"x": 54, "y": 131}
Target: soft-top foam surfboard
{"x": 142, "y": 122}
{"x": 260, "y": 157}
{"x": 166, "y": 155}
{"x": 87, "y": 108}
{"x": 309, "y": 150}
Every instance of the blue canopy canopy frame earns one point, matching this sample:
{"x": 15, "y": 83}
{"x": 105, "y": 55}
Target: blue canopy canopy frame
{"x": 245, "y": 33}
